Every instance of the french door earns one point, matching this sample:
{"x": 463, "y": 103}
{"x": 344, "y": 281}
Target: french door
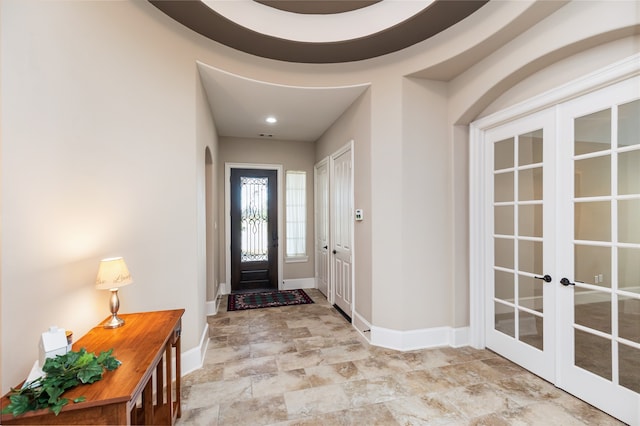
{"x": 562, "y": 245}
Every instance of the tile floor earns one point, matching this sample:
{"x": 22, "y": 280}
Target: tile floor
{"x": 305, "y": 365}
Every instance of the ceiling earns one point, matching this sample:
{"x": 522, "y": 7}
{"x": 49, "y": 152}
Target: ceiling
{"x": 302, "y": 31}
{"x": 240, "y": 106}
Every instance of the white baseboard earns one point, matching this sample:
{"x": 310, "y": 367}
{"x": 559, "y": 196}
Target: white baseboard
{"x": 419, "y": 339}
{"x": 212, "y": 306}
{"x": 298, "y": 283}
{"x": 362, "y": 326}
{"x": 194, "y": 358}
{"x": 223, "y": 288}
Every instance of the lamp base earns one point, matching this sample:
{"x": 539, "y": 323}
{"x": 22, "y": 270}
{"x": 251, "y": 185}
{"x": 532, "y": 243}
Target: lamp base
{"x": 114, "y": 322}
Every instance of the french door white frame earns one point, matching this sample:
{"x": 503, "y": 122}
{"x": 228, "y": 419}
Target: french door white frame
{"x": 480, "y": 195}
{"x": 227, "y": 210}
{"x": 327, "y": 213}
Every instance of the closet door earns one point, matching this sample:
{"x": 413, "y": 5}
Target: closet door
{"x": 599, "y": 249}
{"x": 519, "y": 242}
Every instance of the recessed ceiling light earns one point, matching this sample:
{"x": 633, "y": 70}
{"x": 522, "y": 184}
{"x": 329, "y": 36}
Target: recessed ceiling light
{"x": 271, "y": 120}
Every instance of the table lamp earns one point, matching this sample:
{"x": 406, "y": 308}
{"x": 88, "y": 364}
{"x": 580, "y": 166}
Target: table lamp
{"x": 113, "y": 274}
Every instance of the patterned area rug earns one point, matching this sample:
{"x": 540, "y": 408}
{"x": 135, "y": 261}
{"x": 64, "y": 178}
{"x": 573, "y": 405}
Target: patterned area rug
{"x": 267, "y": 299}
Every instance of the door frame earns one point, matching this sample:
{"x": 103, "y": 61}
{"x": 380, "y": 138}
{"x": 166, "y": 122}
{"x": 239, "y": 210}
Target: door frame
{"x": 323, "y": 162}
{"x": 227, "y": 211}
{"x": 591, "y": 82}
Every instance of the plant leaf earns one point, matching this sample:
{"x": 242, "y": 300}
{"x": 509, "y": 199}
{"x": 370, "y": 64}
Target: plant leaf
{"x": 79, "y": 399}
{"x": 90, "y": 373}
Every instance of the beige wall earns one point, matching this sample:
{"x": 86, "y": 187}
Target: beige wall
{"x": 104, "y": 129}
{"x": 100, "y": 157}
{"x": 292, "y": 155}
{"x": 355, "y": 125}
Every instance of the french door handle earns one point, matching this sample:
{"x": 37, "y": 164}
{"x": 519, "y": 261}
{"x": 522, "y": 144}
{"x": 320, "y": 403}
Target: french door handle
{"x": 325, "y": 247}
{"x": 335, "y": 252}
{"x": 546, "y": 278}
{"x": 565, "y": 282}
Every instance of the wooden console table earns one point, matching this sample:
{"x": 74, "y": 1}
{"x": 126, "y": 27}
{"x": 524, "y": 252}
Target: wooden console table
{"x": 140, "y": 391}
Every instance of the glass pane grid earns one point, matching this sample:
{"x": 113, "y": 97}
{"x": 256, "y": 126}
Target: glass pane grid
{"x": 518, "y": 237}
{"x": 254, "y": 219}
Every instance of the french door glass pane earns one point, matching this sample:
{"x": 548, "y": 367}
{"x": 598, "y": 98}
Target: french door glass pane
{"x": 530, "y": 148}
{"x": 593, "y": 309}
{"x": 530, "y": 256}
{"x": 593, "y": 353}
{"x": 504, "y": 319}
{"x": 504, "y": 253}
{"x": 503, "y": 187}
{"x": 593, "y": 176}
{"x": 503, "y": 154}
{"x": 629, "y": 269}
{"x": 530, "y": 184}
{"x": 531, "y": 330}
{"x": 592, "y": 220}
{"x": 629, "y": 124}
{"x": 503, "y": 219}
{"x": 504, "y": 286}
{"x": 629, "y": 318}
{"x": 629, "y": 367}
{"x": 629, "y": 172}
{"x": 593, "y": 132}
{"x": 629, "y": 221}
{"x": 530, "y": 293}
{"x": 593, "y": 265}
{"x": 530, "y": 220}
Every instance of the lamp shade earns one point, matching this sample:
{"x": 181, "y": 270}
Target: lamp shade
{"x": 112, "y": 273}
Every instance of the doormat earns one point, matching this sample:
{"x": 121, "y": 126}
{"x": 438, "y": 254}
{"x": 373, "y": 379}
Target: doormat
{"x": 267, "y": 299}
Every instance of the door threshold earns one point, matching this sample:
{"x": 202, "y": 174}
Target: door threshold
{"x": 343, "y": 313}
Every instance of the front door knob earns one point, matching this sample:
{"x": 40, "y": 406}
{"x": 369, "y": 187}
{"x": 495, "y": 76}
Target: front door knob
{"x": 546, "y": 278}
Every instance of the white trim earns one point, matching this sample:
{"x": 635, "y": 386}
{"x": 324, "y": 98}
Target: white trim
{"x": 193, "y": 359}
{"x": 591, "y": 82}
{"x": 618, "y": 71}
{"x": 361, "y": 325}
{"x": 298, "y": 283}
{"x": 296, "y": 259}
{"x": 212, "y": 306}
{"x": 227, "y": 209}
{"x": 419, "y": 339}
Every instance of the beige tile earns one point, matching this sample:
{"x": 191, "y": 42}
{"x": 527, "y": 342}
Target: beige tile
{"x": 225, "y": 354}
{"x": 331, "y": 374}
{"x": 213, "y": 393}
{"x": 344, "y": 353}
{"x": 416, "y": 410}
{"x": 295, "y": 360}
{"x": 278, "y": 383}
{"x": 373, "y": 391}
{"x": 255, "y": 411}
{"x": 420, "y": 382}
{"x": 249, "y": 367}
{"x": 380, "y": 366}
{"x": 316, "y": 400}
{"x": 475, "y": 400}
{"x": 200, "y": 417}
{"x": 271, "y": 348}
{"x": 208, "y": 373}
{"x": 370, "y": 415}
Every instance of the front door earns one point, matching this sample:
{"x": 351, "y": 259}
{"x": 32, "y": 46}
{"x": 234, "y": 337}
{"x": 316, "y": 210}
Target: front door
{"x": 254, "y": 230}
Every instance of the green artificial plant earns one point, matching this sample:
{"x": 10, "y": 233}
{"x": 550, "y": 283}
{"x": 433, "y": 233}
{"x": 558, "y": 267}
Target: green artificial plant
{"x": 60, "y": 374}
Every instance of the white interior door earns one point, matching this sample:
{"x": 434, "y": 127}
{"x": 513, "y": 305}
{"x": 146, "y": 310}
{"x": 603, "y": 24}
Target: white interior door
{"x": 520, "y": 242}
{"x": 600, "y": 250}
{"x": 321, "y": 180}
{"x": 561, "y": 201}
{"x": 341, "y": 201}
